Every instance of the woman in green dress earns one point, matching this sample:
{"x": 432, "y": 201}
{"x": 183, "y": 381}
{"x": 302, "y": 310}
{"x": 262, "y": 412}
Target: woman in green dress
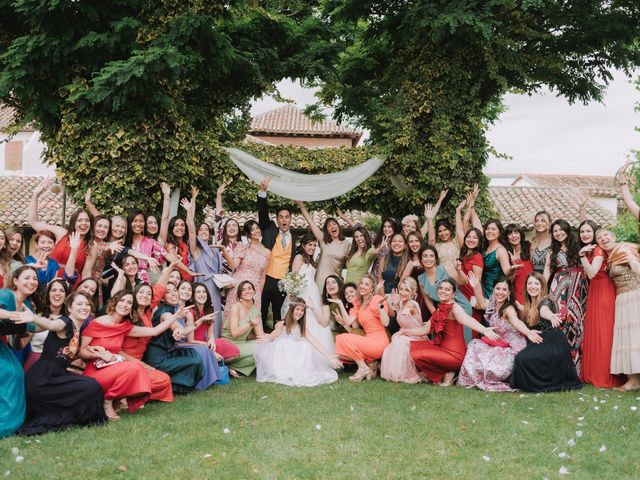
{"x": 361, "y": 255}
{"x": 243, "y": 318}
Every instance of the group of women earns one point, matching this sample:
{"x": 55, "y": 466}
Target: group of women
{"x": 93, "y": 324}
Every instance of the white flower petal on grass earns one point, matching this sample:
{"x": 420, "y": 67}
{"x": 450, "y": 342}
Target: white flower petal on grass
{"x": 623, "y": 428}
{"x": 15, "y": 451}
{"x": 563, "y": 471}
{"x": 388, "y": 436}
{"x": 38, "y": 441}
{"x": 578, "y": 433}
{"x": 413, "y": 408}
{"x": 595, "y": 399}
{"x": 563, "y": 455}
{"x": 525, "y": 422}
{"x": 263, "y": 397}
{"x": 318, "y": 426}
{"x": 637, "y": 398}
{"x": 207, "y": 455}
{"x": 596, "y": 407}
{"x": 226, "y": 430}
{"x": 580, "y": 418}
{"x": 7, "y": 473}
{"x": 165, "y": 435}
{"x": 580, "y": 424}
{"x": 503, "y": 403}
{"x": 352, "y": 408}
{"x": 633, "y": 408}
{"x": 602, "y": 449}
{"x": 581, "y": 399}
{"x": 571, "y": 442}
{"x": 19, "y": 459}
{"x": 339, "y": 464}
{"x": 486, "y": 458}
{"x": 615, "y": 407}
{"x": 522, "y": 395}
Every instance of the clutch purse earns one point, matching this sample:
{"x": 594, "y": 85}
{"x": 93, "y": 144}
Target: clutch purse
{"x": 223, "y": 280}
{"x": 102, "y": 364}
{"x": 495, "y": 343}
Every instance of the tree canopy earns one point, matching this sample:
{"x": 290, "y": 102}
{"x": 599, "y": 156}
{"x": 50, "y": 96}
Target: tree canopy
{"x": 128, "y": 93}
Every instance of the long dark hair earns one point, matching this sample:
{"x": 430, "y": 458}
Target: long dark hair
{"x": 136, "y": 319}
{"x": 225, "y": 236}
{"x": 511, "y": 299}
{"x": 171, "y": 238}
{"x": 525, "y": 245}
{"x": 572, "y": 244}
{"x": 113, "y": 301}
{"x": 241, "y": 286}
{"x": 501, "y": 237}
{"x": 71, "y": 226}
{"x": 95, "y": 299}
{"x": 46, "y": 300}
{"x": 468, "y": 252}
{"x": 128, "y": 239}
{"x": 354, "y": 247}
{"x": 403, "y": 260}
{"x": 208, "y": 307}
{"x": 304, "y": 240}
{"x": 347, "y": 305}
{"x": 325, "y": 295}
{"x": 594, "y": 228}
{"x": 246, "y": 228}
{"x": 380, "y": 235}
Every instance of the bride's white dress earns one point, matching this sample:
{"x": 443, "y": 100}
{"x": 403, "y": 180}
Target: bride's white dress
{"x": 291, "y": 360}
{"x": 320, "y": 333}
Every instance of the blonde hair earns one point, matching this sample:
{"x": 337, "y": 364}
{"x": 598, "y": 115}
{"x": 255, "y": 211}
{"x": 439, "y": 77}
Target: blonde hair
{"x": 410, "y": 283}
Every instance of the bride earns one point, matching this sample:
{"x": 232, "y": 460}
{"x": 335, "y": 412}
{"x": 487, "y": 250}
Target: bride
{"x": 303, "y": 264}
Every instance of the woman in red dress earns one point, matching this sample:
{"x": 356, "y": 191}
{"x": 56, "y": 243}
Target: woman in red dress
{"x": 371, "y": 313}
{"x": 440, "y": 358}
{"x": 519, "y": 253}
{"x": 600, "y": 315}
{"x": 471, "y": 261}
{"x": 80, "y": 222}
{"x": 102, "y": 341}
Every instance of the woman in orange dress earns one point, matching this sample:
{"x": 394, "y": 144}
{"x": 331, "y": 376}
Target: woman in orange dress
{"x": 440, "y": 358}
{"x": 146, "y": 299}
{"x": 372, "y": 314}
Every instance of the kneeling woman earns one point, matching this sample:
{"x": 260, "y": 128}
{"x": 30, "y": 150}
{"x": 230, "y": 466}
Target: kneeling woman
{"x": 290, "y": 355}
{"x": 546, "y": 366}
{"x": 57, "y": 398}
{"x": 488, "y": 365}
{"x": 440, "y": 358}
{"x": 371, "y": 313}
{"x": 243, "y": 318}
{"x": 102, "y": 341}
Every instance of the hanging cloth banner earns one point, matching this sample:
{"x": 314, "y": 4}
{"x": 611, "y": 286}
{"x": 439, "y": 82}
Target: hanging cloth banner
{"x": 300, "y": 186}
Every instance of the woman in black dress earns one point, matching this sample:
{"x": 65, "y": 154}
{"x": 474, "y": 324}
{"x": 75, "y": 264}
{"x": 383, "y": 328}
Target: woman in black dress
{"x": 545, "y": 366}
{"x": 57, "y": 398}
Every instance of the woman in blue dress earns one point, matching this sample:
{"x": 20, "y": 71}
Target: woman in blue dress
{"x": 24, "y": 283}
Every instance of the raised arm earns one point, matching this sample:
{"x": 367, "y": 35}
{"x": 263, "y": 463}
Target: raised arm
{"x": 190, "y": 208}
{"x": 163, "y": 232}
{"x": 263, "y": 209}
{"x": 481, "y": 302}
{"x": 346, "y": 218}
{"x": 33, "y": 217}
{"x": 307, "y": 216}
{"x": 623, "y": 182}
{"x": 460, "y": 230}
{"x": 93, "y": 210}
{"x": 468, "y": 321}
{"x": 592, "y": 268}
{"x": 74, "y": 243}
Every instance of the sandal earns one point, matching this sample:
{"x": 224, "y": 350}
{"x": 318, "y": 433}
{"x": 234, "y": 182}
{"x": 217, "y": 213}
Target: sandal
{"x": 360, "y": 375}
{"x": 450, "y": 381}
{"x": 373, "y": 367}
{"x": 233, "y": 373}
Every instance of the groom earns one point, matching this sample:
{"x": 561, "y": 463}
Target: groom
{"x": 282, "y": 244}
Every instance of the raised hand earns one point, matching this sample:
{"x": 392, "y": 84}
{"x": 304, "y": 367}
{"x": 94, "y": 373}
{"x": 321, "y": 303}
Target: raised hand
{"x": 194, "y": 191}
{"x": 429, "y": 211}
{"x": 42, "y": 186}
{"x": 443, "y": 194}
{"x": 117, "y": 268}
{"x": 473, "y": 280}
{"x": 586, "y": 249}
{"x": 164, "y": 187}
{"x": 25, "y": 316}
{"x": 264, "y": 184}
{"x": 461, "y": 206}
{"x": 186, "y": 204}
{"x": 182, "y": 311}
{"x": 87, "y": 196}
{"x": 41, "y": 261}
{"x": 116, "y": 247}
{"x": 221, "y": 189}
{"x": 74, "y": 240}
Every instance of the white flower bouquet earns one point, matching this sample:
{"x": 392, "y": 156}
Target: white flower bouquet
{"x": 293, "y": 284}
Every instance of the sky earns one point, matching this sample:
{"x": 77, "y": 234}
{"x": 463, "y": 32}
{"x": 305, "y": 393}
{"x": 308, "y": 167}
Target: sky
{"x": 543, "y": 133}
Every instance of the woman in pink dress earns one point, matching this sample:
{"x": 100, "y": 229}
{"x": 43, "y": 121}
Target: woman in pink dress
{"x": 250, "y": 263}
{"x": 487, "y": 365}
{"x": 396, "y": 364}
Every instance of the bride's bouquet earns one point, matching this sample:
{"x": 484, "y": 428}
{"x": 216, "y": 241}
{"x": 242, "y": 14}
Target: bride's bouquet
{"x": 293, "y": 284}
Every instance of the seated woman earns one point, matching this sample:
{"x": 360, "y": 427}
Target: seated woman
{"x": 204, "y": 334}
{"x": 397, "y": 365}
{"x": 243, "y": 318}
{"x": 24, "y": 283}
{"x": 145, "y": 299}
{"x": 371, "y": 313}
{"x": 57, "y": 398}
{"x": 488, "y": 365}
{"x": 290, "y": 355}
{"x": 184, "y": 366}
{"x": 102, "y": 340}
{"x": 438, "y": 359}
{"x": 545, "y": 366}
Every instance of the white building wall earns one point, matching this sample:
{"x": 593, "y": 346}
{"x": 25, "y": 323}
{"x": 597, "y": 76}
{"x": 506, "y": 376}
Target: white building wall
{"x": 32, "y": 150}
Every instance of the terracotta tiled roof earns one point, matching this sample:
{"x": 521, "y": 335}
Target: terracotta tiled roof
{"x": 297, "y": 222}
{"x": 289, "y": 119}
{"x": 520, "y": 204}
{"x": 597, "y": 184}
{"x": 6, "y": 119}
{"x": 15, "y": 195}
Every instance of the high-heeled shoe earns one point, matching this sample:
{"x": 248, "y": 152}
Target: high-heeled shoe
{"x": 450, "y": 381}
{"x": 360, "y": 374}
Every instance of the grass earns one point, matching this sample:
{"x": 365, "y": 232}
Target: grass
{"x": 347, "y": 431}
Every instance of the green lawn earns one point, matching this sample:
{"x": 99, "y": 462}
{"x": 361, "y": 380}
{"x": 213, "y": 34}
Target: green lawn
{"x": 368, "y": 430}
